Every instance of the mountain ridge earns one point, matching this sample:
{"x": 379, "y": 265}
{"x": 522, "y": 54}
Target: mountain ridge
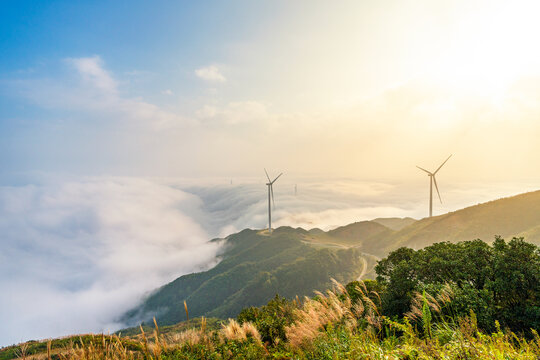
{"x": 256, "y": 265}
{"x": 509, "y": 216}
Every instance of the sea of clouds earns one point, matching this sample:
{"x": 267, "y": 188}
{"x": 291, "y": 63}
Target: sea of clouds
{"x": 76, "y": 253}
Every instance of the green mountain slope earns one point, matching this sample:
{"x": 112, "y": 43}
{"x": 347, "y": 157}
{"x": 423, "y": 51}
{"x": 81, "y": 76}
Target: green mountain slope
{"x": 363, "y": 235}
{"x": 513, "y": 216}
{"x": 254, "y": 268}
{"x": 395, "y": 223}
{"x": 354, "y": 233}
{"x": 357, "y": 235}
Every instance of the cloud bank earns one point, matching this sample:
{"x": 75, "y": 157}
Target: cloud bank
{"x": 76, "y": 254}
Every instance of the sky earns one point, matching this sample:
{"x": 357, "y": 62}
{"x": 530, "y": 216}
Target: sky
{"x": 222, "y": 88}
{"x": 132, "y": 132}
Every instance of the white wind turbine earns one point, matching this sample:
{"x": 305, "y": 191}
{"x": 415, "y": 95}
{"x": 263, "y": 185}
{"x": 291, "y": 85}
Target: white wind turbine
{"x": 432, "y": 181}
{"x": 270, "y": 194}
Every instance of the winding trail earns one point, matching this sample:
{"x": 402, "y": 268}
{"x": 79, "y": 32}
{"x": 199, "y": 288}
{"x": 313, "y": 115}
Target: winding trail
{"x": 364, "y": 269}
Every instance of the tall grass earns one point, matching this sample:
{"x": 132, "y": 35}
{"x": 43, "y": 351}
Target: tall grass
{"x": 328, "y": 326}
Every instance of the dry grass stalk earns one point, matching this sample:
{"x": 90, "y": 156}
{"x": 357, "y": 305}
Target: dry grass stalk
{"x": 190, "y": 337}
{"x": 446, "y": 294}
{"x": 187, "y": 312}
{"x": 417, "y": 303}
{"x": 338, "y": 287}
{"x": 358, "y": 309}
{"x": 364, "y": 289}
{"x": 203, "y": 325}
{"x": 377, "y": 296}
{"x": 159, "y": 342}
{"x": 316, "y": 314}
{"x": 21, "y": 352}
{"x": 145, "y": 342}
{"x": 235, "y": 331}
{"x": 331, "y": 308}
{"x": 156, "y": 329}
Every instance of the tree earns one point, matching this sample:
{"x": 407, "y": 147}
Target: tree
{"x": 499, "y": 282}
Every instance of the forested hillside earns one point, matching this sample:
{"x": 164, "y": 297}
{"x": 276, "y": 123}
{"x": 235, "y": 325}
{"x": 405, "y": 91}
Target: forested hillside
{"x": 255, "y": 267}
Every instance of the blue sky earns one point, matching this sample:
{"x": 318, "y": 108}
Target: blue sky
{"x": 151, "y": 50}
{"x": 135, "y": 34}
{"x": 162, "y": 41}
{"x": 313, "y": 87}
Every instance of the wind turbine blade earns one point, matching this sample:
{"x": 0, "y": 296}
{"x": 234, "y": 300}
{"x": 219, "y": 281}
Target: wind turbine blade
{"x": 442, "y": 164}
{"x": 437, "y": 188}
{"x": 423, "y": 169}
{"x": 267, "y": 175}
{"x": 272, "y": 192}
{"x": 277, "y": 178}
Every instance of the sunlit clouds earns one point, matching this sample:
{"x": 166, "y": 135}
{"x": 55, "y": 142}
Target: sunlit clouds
{"x": 369, "y": 94}
{"x": 210, "y": 73}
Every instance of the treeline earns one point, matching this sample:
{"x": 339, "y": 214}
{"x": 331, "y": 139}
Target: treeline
{"x": 498, "y": 282}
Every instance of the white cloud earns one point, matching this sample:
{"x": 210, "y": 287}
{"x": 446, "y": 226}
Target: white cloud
{"x": 210, "y": 73}
{"x": 77, "y": 255}
{"x": 207, "y": 112}
{"x": 92, "y": 71}
{"x": 167, "y": 92}
{"x": 96, "y": 91}
{"x": 353, "y": 140}
{"x": 319, "y": 203}
{"x": 237, "y": 112}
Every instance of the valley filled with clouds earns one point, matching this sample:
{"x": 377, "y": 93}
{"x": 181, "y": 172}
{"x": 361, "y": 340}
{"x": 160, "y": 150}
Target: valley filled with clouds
{"x": 78, "y": 251}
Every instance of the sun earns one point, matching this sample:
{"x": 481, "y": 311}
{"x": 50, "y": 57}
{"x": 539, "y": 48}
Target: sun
{"x": 490, "y": 50}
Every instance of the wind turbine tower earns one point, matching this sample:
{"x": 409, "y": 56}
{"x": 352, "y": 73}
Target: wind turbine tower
{"x": 270, "y": 185}
{"x": 433, "y": 180}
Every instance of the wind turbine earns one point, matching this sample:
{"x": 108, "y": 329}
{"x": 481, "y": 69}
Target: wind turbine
{"x": 433, "y": 180}
{"x": 270, "y": 194}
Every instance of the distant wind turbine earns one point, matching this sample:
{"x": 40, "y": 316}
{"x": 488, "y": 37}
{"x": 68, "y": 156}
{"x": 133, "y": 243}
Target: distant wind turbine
{"x": 432, "y": 181}
{"x": 270, "y": 194}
